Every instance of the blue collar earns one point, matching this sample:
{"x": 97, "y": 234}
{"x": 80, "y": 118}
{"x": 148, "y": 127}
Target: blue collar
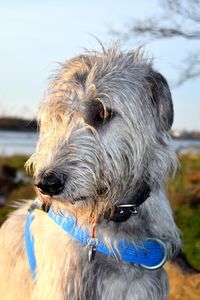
{"x": 150, "y": 253}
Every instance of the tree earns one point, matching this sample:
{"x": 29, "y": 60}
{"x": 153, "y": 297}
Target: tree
{"x": 177, "y": 19}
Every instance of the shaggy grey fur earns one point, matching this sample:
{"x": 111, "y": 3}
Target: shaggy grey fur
{"x": 104, "y": 127}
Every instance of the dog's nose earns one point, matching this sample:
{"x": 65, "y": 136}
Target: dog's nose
{"x": 50, "y": 184}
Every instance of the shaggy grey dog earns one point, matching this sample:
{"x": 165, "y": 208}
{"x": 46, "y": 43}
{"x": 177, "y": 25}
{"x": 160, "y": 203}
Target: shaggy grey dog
{"x": 103, "y": 143}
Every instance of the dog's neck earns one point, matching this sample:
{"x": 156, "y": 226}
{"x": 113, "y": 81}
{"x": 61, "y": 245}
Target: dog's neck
{"x": 131, "y": 204}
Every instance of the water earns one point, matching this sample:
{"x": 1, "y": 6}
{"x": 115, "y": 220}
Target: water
{"x": 185, "y": 146}
{"x": 12, "y": 142}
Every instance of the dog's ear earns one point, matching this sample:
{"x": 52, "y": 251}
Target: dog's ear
{"x": 162, "y": 100}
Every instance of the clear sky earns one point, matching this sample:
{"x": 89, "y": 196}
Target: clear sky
{"x": 35, "y": 35}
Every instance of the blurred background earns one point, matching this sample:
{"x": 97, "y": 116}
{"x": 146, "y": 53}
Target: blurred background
{"x": 36, "y": 35}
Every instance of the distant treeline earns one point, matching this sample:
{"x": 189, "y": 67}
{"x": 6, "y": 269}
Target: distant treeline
{"x": 186, "y": 135}
{"x": 17, "y": 124}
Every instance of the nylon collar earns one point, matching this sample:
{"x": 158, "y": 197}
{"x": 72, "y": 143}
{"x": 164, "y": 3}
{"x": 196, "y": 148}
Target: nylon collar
{"x": 150, "y": 253}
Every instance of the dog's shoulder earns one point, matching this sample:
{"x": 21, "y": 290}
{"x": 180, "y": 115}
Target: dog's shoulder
{"x": 12, "y": 230}
{"x": 13, "y": 259}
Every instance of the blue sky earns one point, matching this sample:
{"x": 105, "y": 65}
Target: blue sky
{"x": 36, "y": 34}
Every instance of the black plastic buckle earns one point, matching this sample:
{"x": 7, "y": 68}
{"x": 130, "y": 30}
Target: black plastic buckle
{"x": 122, "y": 213}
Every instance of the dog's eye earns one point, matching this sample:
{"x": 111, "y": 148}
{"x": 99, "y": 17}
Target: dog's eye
{"x": 96, "y": 114}
{"x": 105, "y": 114}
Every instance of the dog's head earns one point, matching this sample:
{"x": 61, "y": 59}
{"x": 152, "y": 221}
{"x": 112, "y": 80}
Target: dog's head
{"x": 103, "y": 129}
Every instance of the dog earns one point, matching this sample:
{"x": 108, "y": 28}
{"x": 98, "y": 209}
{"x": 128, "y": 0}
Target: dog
{"x": 100, "y": 168}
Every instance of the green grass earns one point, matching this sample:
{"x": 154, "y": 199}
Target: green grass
{"x": 184, "y": 185}
{"x": 22, "y": 190}
{"x": 184, "y": 194}
{"x": 15, "y": 161}
{"x": 188, "y": 220}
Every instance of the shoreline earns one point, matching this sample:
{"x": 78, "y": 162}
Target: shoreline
{"x": 16, "y": 124}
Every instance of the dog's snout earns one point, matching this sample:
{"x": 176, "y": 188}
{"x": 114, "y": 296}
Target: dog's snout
{"x": 50, "y": 184}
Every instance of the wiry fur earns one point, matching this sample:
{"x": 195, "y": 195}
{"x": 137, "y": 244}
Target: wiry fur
{"x": 104, "y": 163}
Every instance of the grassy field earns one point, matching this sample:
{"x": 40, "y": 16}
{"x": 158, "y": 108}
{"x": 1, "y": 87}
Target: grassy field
{"x": 184, "y": 194}
{"x": 22, "y": 189}
{"x": 183, "y": 190}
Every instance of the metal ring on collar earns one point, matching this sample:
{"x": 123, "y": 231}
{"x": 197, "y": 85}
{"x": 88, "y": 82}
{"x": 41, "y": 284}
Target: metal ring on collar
{"x": 162, "y": 262}
{"x": 92, "y": 241}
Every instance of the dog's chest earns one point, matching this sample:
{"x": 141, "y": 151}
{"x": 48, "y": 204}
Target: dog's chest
{"x": 62, "y": 263}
